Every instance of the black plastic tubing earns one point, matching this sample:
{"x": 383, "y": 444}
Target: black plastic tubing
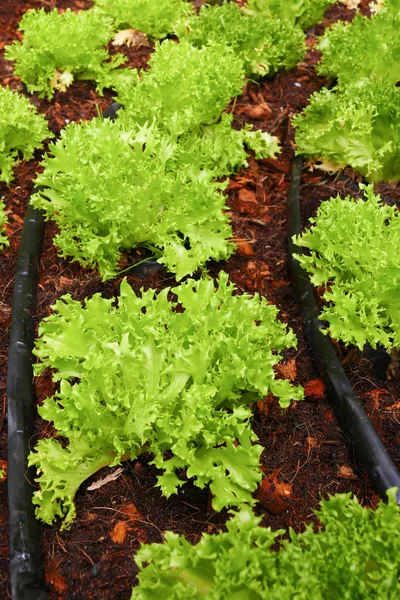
{"x": 25, "y": 566}
{"x": 27, "y": 582}
{"x": 353, "y": 420}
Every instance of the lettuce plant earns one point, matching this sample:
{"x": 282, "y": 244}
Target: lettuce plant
{"x": 354, "y": 254}
{"x": 111, "y": 190}
{"x": 157, "y": 19}
{"x": 3, "y": 220}
{"x": 138, "y": 375}
{"x": 354, "y": 556}
{"x": 367, "y": 49}
{"x": 22, "y": 131}
{"x": 357, "y": 126}
{"x": 184, "y": 87}
{"x": 303, "y": 12}
{"x": 263, "y": 44}
{"x": 214, "y": 151}
{"x": 60, "y": 47}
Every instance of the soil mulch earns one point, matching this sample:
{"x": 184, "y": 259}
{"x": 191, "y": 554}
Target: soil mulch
{"x": 306, "y": 455}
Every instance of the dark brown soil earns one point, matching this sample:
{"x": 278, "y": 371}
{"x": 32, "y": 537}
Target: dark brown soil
{"x": 305, "y": 455}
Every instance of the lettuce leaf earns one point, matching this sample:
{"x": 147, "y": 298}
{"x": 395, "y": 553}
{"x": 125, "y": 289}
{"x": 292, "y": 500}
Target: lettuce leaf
{"x": 185, "y": 87}
{"x": 354, "y": 254}
{"x": 58, "y": 48}
{"x": 138, "y": 376}
{"x": 303, "y": 12}
{"x": 213, "y": 151}
{"x": 358, "y": 126}
{"x": 110, "y": 190}
{"x": 157, "y": 19}
{"x": 22, "y": 130}
{"x": 365, "y": 50}
{"x": 147, "y": 179}
{"x": 263, "y": 44}
{"x": 354, "y": 556}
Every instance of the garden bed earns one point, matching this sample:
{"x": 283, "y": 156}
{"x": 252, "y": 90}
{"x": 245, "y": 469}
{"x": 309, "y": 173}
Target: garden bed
{"x": 305, "y": 455}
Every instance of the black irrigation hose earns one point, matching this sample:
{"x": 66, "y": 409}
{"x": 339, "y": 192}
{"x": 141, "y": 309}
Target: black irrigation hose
{"x": 25, "y": 566}
{"x": 27, "y": 582}
{"x": 353, "y": 420}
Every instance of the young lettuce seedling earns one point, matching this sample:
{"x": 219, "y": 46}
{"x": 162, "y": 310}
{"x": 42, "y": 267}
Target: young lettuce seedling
{"x": 354, "y": 556}
{"x": 22, "y": 130}
{"x": 357, "y": 126}
{"x": 262, "y": 43}
{"x": 185, "y": 87}
{"x": 354, "y": 255}
{"x": 58, "y": 48}
{"x": 365, "y": 50}
{"x": 137, "y": 376}
{"x": 111, "y": 190}
{"x": 303, "y": 12}
{"x": 155, "y": 18}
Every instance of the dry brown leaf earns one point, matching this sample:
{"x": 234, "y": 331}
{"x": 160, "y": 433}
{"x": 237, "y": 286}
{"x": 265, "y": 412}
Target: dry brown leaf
{"x": 259, "y": 112}
{"x": 278, "y": 283}
{"x": 395, "y": 406}
{"x": 246, "y": 195}
{"x": 346, "y": 472}
{"x": 54, "y": 578}
{"x": 351, "y": 4}
{"x": 118, "y": 533}
{"x": 274, "y": 495}
{"x": 374, "y": 396}
{"x": 263, "y": 405}
{"x": 130, "y": 37}
{"x": 288, "y": 369}
{"x": 110, "y": 477}
{"x": 131, "y": 512}
{"x": 315, "y": 388}
{"x": 312, "y": 442}
{"x": 245, "y": 249}
{"x": 65, "y": 281}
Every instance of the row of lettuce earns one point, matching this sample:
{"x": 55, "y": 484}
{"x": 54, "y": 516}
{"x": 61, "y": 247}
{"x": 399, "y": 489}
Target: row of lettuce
{"x": 353, "y": 246}
{"x": 177, "y": 379}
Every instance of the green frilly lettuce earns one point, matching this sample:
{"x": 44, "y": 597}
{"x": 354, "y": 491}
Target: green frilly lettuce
{"x": 156, "y": 18}
{"x": 263, "y": 44}
{"x": 137, "y": 375}
{"x": 354, "y": 254}
{"x": 22, "y": 131}
{"x": 358, "y": 126}
{"x": 354, "y": 556}
{"x": 303, "y": 12}
{"x": 58, "y": 48}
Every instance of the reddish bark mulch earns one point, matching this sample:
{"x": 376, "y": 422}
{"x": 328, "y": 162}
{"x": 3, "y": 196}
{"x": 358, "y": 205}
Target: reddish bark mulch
{"x": 305, "y": 455}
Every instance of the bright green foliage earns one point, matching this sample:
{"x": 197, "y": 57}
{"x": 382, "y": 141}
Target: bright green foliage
{"x": 303, "y": 12}
{"x": 110, "y": 190}
{"x": 60, "y": 47}
{"x": 213, "y": 151}
{"x": 365, "y": 49}
{"x": 156, "y": 18}
{"x": 354, "y": 250}
{"x": 141, "y": 376}
{"x": 22, "y": 129}
{"x": 3, "y": 220}
{"x": 357, "y": 126}
{"x": 356, "y": 556}
{"x": 184, "y": 88}
{"x": 262, "y": 43}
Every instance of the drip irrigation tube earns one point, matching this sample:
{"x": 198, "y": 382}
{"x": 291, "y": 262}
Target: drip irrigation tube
{"x": 27, "y": 582}
{"x": 354, "y": 422}
{"x": 25, "y": 566}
